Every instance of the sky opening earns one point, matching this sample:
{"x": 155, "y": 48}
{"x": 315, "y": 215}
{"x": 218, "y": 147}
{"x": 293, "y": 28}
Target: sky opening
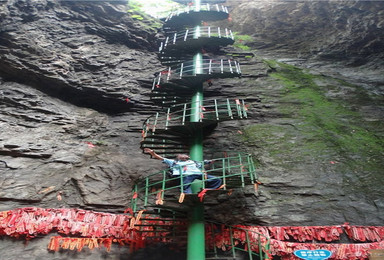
{"x": 155, "y": 8}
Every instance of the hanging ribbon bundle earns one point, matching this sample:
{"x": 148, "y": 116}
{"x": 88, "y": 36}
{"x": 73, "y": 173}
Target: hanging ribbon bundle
{"x": 92, "y": 229}
{"x": 364, "y": 233}
{"x": 159, "y": 197}
{"x": 98, "y": 229}
{"x": 181, "y": 197}
{"x": 306, "y": 233}
{"x": 78, "y": 243}
{"x": 201, "y": 194}
{"x": 154, "y": 229}
{"x": 281, "y": 239}
{"x": 339, "y": 251}
{"x": 75, "y": 243}
{"x": 29, "y": 222}
{"x": 320, "y": 233}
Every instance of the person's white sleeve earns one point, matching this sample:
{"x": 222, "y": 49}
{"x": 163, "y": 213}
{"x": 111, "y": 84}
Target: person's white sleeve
{"x": 168, "y": 162}
{"x": 207, "y": 161}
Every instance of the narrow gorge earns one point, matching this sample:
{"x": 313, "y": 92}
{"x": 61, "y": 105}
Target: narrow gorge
{"x": 75, "y": 88}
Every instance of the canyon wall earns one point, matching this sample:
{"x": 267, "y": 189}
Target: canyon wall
{"x": 75, "y": 78}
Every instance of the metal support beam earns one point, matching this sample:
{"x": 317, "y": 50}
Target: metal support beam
{"x": 196, "y": 150}
{"x": 196, "y": 236}
{"x": 196, "y": 230}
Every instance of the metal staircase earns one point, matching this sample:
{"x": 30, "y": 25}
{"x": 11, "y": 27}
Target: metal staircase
{"x": 168, "y": 132}
{"x": 235, "y": 171}
{"x": 194, "y": 14}
{"x": 222, "y": 241}
{"x": 186, "y": 119}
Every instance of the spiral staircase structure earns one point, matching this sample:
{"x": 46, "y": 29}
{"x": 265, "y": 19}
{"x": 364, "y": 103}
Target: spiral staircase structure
{"x": 187, "y": 118}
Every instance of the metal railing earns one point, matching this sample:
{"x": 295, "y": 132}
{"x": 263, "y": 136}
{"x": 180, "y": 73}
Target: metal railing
{"x": 233, "y": 238}
{"x": 234, "y": 171}
{"x": 209, "y": 67}
{"x": 172, "y": 230}
{"x": 161, "y": 229}
{"x": 206, "y": 7}
{"x": 180, "y": 114}
{"x": 191, "y": 34}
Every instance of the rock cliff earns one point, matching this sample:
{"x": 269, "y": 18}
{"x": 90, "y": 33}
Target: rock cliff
{"x": 74, "y": 83}
{"x": 338, "y": 33}
{"x": 66, "y": 66}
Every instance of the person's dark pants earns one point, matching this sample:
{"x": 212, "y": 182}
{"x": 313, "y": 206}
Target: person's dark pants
{"x": 211, "y": 182}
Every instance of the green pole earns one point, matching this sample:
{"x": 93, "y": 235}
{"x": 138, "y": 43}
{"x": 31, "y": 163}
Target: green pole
{"x": 196, "y": 150}
{"x": 196, "y": 236}
{"x": 196, "y": 226}
{"x": 196, "y": 229}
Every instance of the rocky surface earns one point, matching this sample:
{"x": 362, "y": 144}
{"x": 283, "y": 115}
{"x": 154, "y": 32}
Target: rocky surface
{"x": 341, "y": 43}
{"x": 74, "y": 83}
{"x": 338, "y": 38}
{"x": 49, "y": 146}
{"x": 57, "y": 46}
{"x": 319, "y": 154}
{"x": 65, "y": 56}
{"x": 342, "y": 30}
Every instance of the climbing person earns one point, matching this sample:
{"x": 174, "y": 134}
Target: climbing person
{"x": 189, "y": 169}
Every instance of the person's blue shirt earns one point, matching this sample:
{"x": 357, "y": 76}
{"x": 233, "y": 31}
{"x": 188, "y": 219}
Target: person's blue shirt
{"x": 188, "y": 167}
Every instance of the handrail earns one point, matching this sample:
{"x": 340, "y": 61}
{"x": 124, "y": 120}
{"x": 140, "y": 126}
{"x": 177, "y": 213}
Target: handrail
{"x": 254, "y": 240}
{"x": 209, "y": 67}
{"x": 211, "y": 110}
{"x": 172, "y": 229}
{"x": 229, "y": 168}
{"x": 204, "y": 32}
{"x": 206, "y": 64}
{"x": 210, "y": 31}
{"x": 233, "y": 157}
{"x": 188, "y": 9}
